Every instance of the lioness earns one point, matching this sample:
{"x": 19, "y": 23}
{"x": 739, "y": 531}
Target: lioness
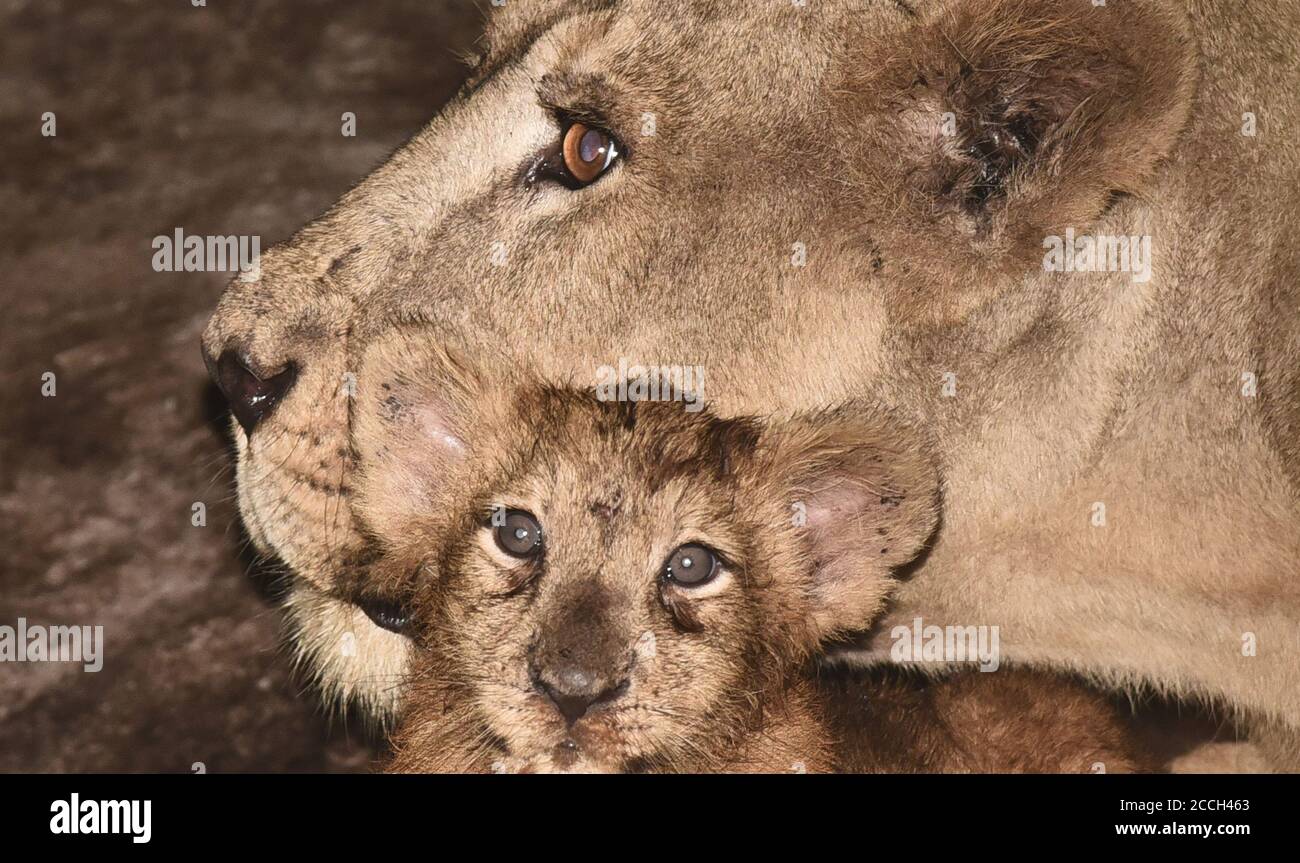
{"x": 857, "y": 200}
{"x": 629, "y": 586}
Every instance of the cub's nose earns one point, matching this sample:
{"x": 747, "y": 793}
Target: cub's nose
{"x": 251, "y": 398}
{"x": 574, "y": 691}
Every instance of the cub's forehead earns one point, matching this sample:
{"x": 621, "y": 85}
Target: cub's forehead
{"x": 608, "y": 455}
{"x": 613, "y": 438}
{"x": 618, "y": 494}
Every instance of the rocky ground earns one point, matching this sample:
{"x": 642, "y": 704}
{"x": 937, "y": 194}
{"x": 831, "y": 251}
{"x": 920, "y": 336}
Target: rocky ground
{"x": 223, "y": 120}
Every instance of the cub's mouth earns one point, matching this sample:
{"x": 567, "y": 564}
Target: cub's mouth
{"x": 521, "y": 731}
{"x": 598, "y": 746}
{"x": 564, "y": 757}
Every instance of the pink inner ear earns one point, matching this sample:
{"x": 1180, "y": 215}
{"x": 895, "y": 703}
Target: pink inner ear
{"x": 846, "y": 531}
{"x": 841, "y": 498}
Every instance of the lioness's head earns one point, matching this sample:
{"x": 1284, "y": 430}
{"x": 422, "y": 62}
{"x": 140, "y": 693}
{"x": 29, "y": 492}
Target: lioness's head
{"x": 605, "y": 585}
{"x": 791, "y": 196}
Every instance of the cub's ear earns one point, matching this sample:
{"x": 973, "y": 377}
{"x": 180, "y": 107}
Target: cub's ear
{"x": 864, "y": 493}
{"x": 418, "y": 410}
{"x": 989, "y": 124}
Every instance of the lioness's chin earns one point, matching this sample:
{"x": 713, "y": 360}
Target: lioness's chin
{"x": 352, "y": 661}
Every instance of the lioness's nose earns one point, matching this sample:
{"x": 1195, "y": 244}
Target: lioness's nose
{"x": 251, "y": 397}
{"x": 574, "y": 691}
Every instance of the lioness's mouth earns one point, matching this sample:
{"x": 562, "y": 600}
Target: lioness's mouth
{"x": 386, "y": 614}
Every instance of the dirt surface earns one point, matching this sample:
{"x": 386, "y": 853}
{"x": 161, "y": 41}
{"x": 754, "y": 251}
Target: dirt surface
{"x": 218, "y": 120}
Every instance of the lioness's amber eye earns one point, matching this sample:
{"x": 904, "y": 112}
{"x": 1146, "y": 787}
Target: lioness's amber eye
{"x": 587, "y": 152}
{"x": 691, "y": 565}
{"x": 519, "y": 534}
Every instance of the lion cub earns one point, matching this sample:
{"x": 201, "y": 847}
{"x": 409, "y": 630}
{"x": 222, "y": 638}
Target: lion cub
{"x": 633, "y": 587}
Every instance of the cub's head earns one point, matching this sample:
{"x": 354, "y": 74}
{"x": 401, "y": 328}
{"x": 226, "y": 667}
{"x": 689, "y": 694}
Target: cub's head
{"x": 617, "y": 586}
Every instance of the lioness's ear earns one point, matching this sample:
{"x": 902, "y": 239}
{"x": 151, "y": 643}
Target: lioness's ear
{"x": 998, "y": 122}
{"x": 413, "y": 427}
{"x": 865, "y": 499}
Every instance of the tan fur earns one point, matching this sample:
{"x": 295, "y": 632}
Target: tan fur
{"x": 822, "y": 125}
{"x": 809, "y": 515}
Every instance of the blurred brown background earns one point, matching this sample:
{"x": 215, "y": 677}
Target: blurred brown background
{"x": 219, "y": 120}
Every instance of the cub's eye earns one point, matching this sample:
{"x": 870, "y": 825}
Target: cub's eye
{"x": 587, "y": 153}
{"x": 691, "y": 565}
{"x": 519, "y": 534}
